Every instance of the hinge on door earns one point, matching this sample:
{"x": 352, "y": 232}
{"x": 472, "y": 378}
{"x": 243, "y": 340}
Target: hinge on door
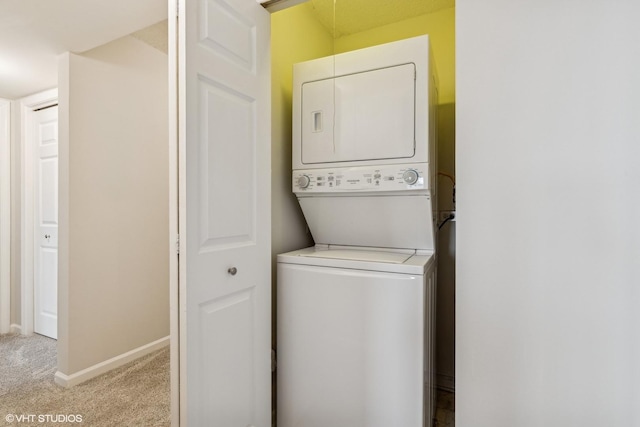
{"x": 178, "y": 244}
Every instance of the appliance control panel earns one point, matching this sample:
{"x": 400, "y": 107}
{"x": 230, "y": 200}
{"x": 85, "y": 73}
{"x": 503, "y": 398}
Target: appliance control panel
{"x": 366, "y": 178}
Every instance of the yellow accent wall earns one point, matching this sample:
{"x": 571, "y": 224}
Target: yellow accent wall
{"x": 296, "y": 36}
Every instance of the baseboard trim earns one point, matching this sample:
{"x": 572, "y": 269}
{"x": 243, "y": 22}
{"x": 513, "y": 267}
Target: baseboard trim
{"x": 446, "y": 382}
{"x": 16, "y": 329}
{"x": 106, "y": 366}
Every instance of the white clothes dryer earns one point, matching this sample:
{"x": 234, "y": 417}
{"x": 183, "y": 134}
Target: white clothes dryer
{"x": 354, "y": 328}
{"x": 364, "y": 145}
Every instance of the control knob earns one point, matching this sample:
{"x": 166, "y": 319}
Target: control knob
{"x": 410, "y": 176}
{"x": 303, "y": 181}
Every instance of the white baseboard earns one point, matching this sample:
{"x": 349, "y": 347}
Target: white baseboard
{"x": 106, "y": 366}
{"x": 446, "y": 382}
{"x": 16, "y": 329}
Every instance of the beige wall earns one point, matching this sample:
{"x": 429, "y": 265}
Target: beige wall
{"x": 113, "y": 268}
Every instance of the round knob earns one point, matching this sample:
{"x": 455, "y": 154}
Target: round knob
{"x": 410, "y": 176}
{"x": 304, "y": 181}
{"x": 232, "y": 271}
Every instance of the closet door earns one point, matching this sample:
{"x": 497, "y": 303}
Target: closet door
{"x": 225, "y": 260}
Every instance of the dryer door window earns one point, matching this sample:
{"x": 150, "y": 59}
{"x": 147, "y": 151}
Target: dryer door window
{"x": 362, "y": 116}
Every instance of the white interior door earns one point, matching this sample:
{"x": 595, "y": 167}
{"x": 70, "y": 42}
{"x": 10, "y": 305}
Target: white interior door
{"x": 225, "y": 221}
{"x": 46, "y": 221}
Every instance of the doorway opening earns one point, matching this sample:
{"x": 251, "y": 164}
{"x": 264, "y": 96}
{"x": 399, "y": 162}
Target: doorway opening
{"x": 29, "y": 108}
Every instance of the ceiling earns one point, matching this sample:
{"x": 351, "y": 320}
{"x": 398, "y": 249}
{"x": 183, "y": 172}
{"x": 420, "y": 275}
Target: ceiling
{"x": 34, "y": 32}
{"x": 353, "y": 16}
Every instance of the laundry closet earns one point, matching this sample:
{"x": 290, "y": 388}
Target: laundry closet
{"x": 298, "y": 34}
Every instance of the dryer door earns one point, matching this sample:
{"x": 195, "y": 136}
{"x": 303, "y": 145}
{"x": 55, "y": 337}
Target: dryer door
{"x": 362, "y": 116}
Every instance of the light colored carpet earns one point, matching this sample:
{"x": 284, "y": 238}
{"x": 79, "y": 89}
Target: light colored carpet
{"x": 136, "y": 394}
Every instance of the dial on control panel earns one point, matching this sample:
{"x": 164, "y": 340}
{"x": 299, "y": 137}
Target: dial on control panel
{"x": 410, "y": 176}
{"x": 303, "y": 181}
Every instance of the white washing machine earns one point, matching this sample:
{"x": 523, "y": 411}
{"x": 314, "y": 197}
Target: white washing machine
{"x": 355, "y": 321}
{"x": 354, "y": 328}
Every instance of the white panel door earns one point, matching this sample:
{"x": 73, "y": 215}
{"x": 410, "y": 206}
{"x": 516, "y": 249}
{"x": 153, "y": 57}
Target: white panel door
{"x": 225, "y": 260}
{"x": 45, "y": 252}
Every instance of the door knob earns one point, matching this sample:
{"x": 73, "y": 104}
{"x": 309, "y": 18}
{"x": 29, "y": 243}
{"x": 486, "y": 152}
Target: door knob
{"x": 232, "y": 271}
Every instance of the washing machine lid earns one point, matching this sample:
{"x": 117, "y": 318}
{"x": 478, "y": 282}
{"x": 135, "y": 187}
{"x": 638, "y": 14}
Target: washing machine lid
{"x": 356, "y": 258}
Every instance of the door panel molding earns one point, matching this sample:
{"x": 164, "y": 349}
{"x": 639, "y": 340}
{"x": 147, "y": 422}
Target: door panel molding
{"x": 226, "y": 115}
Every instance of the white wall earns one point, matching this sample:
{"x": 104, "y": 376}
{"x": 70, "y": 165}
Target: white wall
{"x": 113, "y": 268}
{"x": 548, "y": 233}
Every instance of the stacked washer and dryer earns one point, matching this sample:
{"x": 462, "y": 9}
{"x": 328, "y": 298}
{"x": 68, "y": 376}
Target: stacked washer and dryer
{"x": 356, "y": 312}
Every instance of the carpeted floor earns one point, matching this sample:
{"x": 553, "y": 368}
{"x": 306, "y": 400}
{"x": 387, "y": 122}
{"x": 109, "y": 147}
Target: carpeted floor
{"x": 136, "y": 394}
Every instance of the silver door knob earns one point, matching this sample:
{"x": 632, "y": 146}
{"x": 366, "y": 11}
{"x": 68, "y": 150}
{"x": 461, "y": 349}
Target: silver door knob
{"x": 232, "y": 271}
